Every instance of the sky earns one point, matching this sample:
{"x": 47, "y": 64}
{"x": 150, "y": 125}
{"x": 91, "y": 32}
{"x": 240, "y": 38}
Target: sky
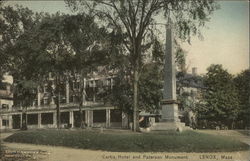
{"x": 226, "y": 36}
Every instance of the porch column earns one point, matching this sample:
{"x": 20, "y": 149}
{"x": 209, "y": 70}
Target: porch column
{"x": 54, "y": 119}
{"x": 86, "y": 118}
{"x": 1, "y": 126}
{"x": 39, "y": 120}
{"x": 38, "y": 97}
{"x": 21, "y": 120}
{"x": 53, "y": 97}
{"x": 71, "y": 118}
{"x": 89, "y": 118}
{"x": 10, "y": 122}
{"x": 94, "y": 90}
{"x": 107, "y": 118}
{"x": 84, "y": 90}
{"x": 111, "y": 83}
{"x": 67, "y": 91}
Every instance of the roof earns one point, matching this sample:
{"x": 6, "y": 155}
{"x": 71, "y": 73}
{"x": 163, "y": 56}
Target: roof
{"x": 190, "y": 80}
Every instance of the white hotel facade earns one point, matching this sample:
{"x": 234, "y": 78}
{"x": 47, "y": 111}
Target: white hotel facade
{"x": 43, "y": 114}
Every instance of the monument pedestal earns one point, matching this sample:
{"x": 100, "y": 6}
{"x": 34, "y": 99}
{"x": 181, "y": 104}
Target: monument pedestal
{"x": 164, "y": 126}
{"x": 169, "y": 111}
{"x": 169, "y": 119}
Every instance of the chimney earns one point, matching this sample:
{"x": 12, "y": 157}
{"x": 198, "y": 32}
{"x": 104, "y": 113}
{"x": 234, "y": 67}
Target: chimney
{"x": 194, "y": 71}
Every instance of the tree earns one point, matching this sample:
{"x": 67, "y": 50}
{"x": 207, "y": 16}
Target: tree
{"x": 10, "y": 31}
{"x": 150, "y": 82}
{"x": 16, "y": 24}
{"x": 64, "y": 47}
{"x": 221, "y": 103}
{"x": 136, "y": 19}
{"x": 242, "y": 83}
{"x": 90, "y": 48}
{"x": 34, "y": 46}
{"x": 54, "y": 55}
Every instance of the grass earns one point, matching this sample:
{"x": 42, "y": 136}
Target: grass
{"x": 1, "y": 150}
{"x": 171, "y": 141}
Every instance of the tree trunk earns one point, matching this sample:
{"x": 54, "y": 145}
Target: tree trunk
{"x": 135, "y": 102}
{"x": 81, "y": 97}
{"x": 26, "y": 120}
{"x": 137, "y": 57}
{"x": 15, "y": 92}
{"x": 232, "y": 125}
{"x": 58, "y": 112}
{"x": 80, "y": 110}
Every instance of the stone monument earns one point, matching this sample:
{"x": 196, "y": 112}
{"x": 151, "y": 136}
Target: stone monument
{"x": 169, "y": 112}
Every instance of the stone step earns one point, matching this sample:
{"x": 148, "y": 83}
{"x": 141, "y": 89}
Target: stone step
{"x": 161, "y": 126}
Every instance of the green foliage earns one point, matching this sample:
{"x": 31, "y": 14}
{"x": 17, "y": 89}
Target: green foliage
{"x": 242, "y": 83}
{"x": 13, "y": 23}
{"x": 17, "y": 55}
{"x": 150, "y": 82}
{"x": 135, "y": 21}
{"x": 25, "y": 92}
{"x": 180, "y": 59}
{"x": 220, "y": 97}
{"x": 170, "y": 141}
{"x": 150, "y": 86}
{"x": 135, "y": 17}
{"x": 157, "y": 51}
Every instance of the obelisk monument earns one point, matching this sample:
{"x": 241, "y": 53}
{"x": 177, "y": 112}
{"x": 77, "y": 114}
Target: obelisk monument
{"x": 169, "y": 104}
{"x": 169, "y": 111}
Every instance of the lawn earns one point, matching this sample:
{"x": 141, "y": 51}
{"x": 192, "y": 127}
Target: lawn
{"x": 244, "y": 132}
{"x": 171, "y": 141}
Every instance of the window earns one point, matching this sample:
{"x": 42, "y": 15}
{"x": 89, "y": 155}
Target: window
{"x": 91, "y": 83}
{"x": 95, "y": 83}
{"x": 32, "y": 119}
{"x": 5, "y": 122}
{"x": 47, "y": 118}
{"x": 3, "y": 87}
{"x": 5, "y": 106}
{"x": 46, "y": 88}
{"x": 99, "y": 116}
{"x": 46, "y": 101}
{"x": 65, "y": 117}
{"x": 76, "y": 85}
{"x": 115, "y": 116}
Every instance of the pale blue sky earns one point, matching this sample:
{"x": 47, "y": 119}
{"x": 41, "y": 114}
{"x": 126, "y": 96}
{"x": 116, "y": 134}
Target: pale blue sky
{"x": 226, "y": 41}
{"x": 226, "y": 38}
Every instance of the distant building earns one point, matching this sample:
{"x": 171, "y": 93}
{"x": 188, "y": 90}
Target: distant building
{"x": 6, "y": 103}
{"x": 189, "y": 85}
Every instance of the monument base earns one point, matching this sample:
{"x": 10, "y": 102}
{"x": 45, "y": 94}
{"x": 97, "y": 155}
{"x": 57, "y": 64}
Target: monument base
{"x": 169, "y": 120}
{"x": 164, "y": 126}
